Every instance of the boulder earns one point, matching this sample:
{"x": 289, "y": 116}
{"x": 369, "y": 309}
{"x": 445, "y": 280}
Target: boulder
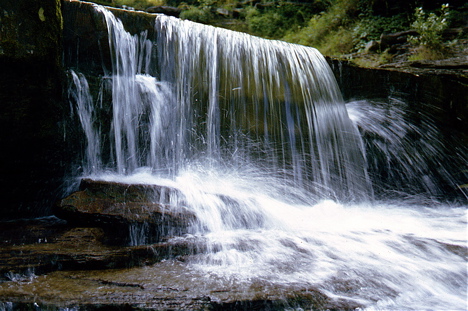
{"x": 372, "y": 46}
{"x": 389, "y": 40}
{"x": 129, "y": 213}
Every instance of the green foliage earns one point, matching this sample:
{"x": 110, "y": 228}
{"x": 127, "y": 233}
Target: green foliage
{"x": 338, "y": 42}
{"x": 201, "y": 14}
{"x": 335, "y": 27}
{"x": 268, "y": 25}
{"x": 346, "y": 27}
{"x": 430, "y": 27}
{"x": 326, "y": 27}
{"x": 274, "y": 19}
{"x": 207, "y": 3}
{"x": 370, "y": 27}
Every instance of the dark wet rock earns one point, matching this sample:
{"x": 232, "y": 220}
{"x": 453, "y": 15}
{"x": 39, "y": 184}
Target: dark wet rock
{"x": 32, "y": 109}
{"x": 29, "y": 231}
{"x": 75, "y": 268}
{"x": 74, "y": 248}
{"x": 163, "y": 286}
{"x": 439, "y": 88}
{"x": 435, "y": 92}
{"x": 124, "y": 210}
{"x": 38, "y": 37}
{"x": 85, "y": 37}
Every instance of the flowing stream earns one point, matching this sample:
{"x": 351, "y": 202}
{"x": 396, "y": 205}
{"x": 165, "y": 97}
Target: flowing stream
{"x": 257, "y": 139}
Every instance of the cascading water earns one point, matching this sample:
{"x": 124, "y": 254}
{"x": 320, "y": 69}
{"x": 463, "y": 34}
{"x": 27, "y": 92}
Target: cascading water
{"x": 256, "y": 138}
{"x": 405, "y": 159}
{"x": 208, "y": 94}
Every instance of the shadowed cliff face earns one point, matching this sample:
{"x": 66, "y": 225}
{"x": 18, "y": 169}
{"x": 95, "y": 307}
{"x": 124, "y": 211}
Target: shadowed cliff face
{"x": 85, "y": 37}
{"x": 31, "y": 29}
{"x": 439, "y": 88}
{"x": 31, "y": 107}
{"x": 435, "y": 98}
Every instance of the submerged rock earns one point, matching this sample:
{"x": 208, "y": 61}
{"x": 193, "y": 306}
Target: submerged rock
{"x": 129, "y": 213}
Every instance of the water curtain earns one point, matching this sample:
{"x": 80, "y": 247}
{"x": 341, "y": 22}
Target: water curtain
{"x": 197, "y": 93}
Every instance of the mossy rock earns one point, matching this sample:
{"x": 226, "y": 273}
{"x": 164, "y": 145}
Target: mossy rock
{"x": 30, "y": 28}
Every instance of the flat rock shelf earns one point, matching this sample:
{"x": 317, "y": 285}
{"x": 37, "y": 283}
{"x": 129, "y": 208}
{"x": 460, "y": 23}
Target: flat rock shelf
{"x": 51, "y": 264}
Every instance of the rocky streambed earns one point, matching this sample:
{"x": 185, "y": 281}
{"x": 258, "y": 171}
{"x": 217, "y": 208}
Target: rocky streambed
{"x": 86, "y": 260}
{"x": 168, "y": 285}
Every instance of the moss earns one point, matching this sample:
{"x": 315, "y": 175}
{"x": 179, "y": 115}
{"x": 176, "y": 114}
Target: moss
{"x": 428, "y": 53}
{"x": 39, "y": 37}
{"x": 41, "y": 15}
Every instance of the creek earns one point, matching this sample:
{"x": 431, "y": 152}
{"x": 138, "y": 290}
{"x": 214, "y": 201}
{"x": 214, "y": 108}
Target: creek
{"x": 289, "y": 184}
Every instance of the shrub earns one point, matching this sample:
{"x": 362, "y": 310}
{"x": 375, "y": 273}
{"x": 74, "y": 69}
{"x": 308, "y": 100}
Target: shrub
{"x": 325, "y": 31}
{"x": 430, "y": 27}
{"x": 337, "y": 43}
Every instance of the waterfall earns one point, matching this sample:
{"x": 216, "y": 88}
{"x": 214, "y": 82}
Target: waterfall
{"x": 404, "y": 158}
{"x": 256, "y": 139}
{"x": 80, "y": 94}
{"x": 197, "y": 93}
